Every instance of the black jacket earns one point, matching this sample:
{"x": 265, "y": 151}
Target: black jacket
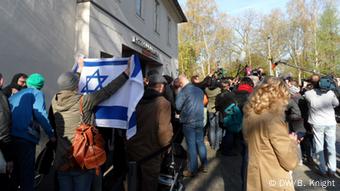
{"x": 293, "y": 115}
{"x": 241, "y": 98}
{"x": 5, "y": 122}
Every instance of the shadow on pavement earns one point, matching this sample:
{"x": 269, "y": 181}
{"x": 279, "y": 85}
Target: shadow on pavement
{"x": 224, "y": 173}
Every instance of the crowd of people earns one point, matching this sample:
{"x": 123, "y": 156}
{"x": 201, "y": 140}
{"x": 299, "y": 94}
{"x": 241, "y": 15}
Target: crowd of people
{"x": 276, "y": 123}
{"x": 283, "y": 125}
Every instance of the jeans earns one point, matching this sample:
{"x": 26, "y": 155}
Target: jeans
{"x": 325, "y": 133}
{"x": 24, "y": 159}
{"x": 97, "y": 182}
{"x": 215, "y": 132}
{"x": 194, "y": 137}
{"x": 76, "y": 180}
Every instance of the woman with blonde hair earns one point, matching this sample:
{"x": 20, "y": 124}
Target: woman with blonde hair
{"x": 272, "y": 151}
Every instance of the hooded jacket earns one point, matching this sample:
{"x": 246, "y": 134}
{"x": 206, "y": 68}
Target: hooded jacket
{"x": 28, "y": 107}
{"x": 66, "y": 110}
{"x": 14, "y": 84}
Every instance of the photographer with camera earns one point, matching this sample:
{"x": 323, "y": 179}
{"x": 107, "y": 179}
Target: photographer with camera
{"x": 322, "y": 101}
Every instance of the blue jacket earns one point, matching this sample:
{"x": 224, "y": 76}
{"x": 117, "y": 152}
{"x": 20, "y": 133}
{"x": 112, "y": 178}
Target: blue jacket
{"x": 28, "y": 105}
{"x": 189, "y": 102}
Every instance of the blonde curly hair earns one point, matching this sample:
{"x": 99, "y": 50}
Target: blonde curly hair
{"x": 271, "y": 95}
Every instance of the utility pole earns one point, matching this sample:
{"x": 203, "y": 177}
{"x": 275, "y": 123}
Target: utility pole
{"x": 269, "y": 56}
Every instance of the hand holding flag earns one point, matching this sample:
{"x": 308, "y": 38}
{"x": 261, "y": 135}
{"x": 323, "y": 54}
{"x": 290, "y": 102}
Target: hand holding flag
{"x": 78, "y": 66}
{"x": 127, "y": 70}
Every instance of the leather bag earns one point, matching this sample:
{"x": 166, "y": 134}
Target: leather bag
{"x": 88, "y": 145}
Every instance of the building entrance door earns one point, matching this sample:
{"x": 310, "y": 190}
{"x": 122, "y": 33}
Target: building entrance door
{"x": 147, "y": 63}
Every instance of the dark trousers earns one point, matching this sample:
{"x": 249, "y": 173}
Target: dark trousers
{"x": 307, "y": 145}
{"x": 116, "y": 157}
{"x": 233, "y": 144}
{"x": 149, "y": 174}
{"x": 229, "y": 143}
{"x": 244, "y": 165}
{"x": 177, "y": 129}
{"x": 24, "y": 159}
{"x": 5, "y": 182}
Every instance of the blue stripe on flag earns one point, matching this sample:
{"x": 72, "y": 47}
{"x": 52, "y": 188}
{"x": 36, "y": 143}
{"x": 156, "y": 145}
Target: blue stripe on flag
{"x": 137, "y": 68}
{"x": 133, "y": 120}
{"x": 105, "y": 63}
{"x": 111, "y": 112}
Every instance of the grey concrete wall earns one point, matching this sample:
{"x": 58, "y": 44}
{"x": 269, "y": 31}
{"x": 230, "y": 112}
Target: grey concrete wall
{"x": 37, "y": 36}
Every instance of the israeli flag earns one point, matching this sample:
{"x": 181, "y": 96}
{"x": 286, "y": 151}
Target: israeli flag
{"x": 119, "y": 110}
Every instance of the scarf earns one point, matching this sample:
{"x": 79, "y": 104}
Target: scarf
{"x": 245, "y": 87}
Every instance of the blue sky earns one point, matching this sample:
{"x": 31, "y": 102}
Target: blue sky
{"x": 235, "y": 7}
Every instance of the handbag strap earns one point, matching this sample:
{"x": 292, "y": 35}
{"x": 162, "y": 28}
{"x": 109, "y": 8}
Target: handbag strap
{"x": 91, "y": 129}
{"x": 89, "y": 135}
{"x": 82, "y": 112}
{"x": 81, "y": 109}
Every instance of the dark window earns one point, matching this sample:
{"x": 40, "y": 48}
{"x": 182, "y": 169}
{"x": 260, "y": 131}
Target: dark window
{"x": 105, "y": 55}
{"x": 157, "y": 14}
{"x": 169, "y": 31}
{"x": 139, "y": 7}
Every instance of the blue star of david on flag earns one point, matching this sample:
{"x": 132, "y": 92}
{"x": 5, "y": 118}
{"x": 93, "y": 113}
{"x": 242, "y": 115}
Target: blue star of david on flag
{"x": 94, "y": 76}
{"x": 118, "y": 111}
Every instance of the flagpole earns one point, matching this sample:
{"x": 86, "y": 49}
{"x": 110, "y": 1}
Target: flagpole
{"x": 269, "y": 56}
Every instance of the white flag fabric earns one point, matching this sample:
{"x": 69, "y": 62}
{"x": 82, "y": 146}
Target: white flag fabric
{"x": 119, "y": 110}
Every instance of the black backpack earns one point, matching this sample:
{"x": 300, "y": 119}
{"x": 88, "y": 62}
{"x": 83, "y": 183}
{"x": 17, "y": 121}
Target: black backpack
{"x": 327, "y": 83}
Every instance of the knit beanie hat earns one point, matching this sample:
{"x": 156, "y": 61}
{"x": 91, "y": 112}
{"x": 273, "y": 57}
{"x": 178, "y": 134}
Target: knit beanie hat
{"x": 68, "y": 81}
{"x": 36, "y": 81}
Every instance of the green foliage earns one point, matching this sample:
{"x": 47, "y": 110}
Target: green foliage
{"x": 187, "y": 59}
{"x": 328, "y": 39}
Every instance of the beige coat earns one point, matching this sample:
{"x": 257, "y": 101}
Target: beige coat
{"x": 272, "y": 154}
{"x": 212, "y": 94}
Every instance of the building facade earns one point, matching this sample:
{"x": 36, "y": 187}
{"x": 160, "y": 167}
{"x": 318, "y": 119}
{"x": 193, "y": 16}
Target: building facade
{"x": 44, "y": 36}
{"x": 118, "y": 28}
